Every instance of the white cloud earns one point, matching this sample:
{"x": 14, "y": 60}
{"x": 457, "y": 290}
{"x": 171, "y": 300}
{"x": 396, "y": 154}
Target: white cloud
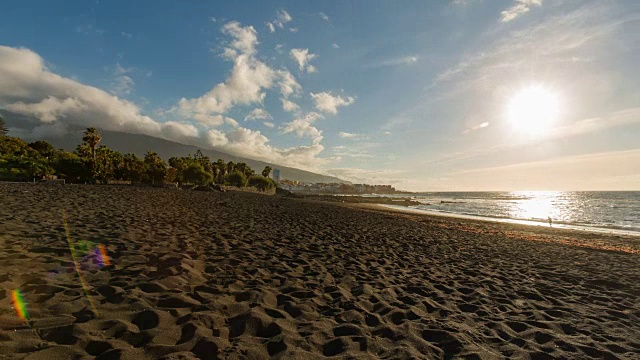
{"x": 244, "y": 38}
{"x": 288, "y": 84}
{"x": 271, "y": 27}
{"x": 126, "y": 35}
{"x": 123, "y": 84}
{"x": 293, "y": 29}
{"x": 324, "y": 16}
{"x": 29, "y": 88}
{"x": 406, "y": 60}
{"x": 482, "y": 125}
{"x": 329, "y": 103}
{"x": 246, "y": 84}
{"x": 352, "y": 136}
{"x": 303, "y": 127}
{"x": 247, "y": 142}
{"x": 179, "y": 131}
{"x": 288, "y": 87}
{"x": 231, "y": 122}
{"x": 518, "y": 8}
{"x": 258, "y": 114}
{"x": 289, "y": 106}
{"x": 335, "y": 46}
{"x": 303, "y": 57}
{"x": 282, "y": 17}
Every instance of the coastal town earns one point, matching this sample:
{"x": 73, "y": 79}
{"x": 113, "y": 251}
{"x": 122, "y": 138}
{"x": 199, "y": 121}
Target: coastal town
{"x": 335, "y": 188}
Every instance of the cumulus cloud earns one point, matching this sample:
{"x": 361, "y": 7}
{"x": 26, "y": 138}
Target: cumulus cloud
{"x": 324, "y": 17}
{"x": 288, "y": 87}
{"x": 268, "y": 124}
{"x": 255, "y": 145}
{"x": 29, "y": 88}
{"x": 518, "y": 8}
{"x": 329, "y": 103}
{"x": 258, "y": 114}
{"x": 289, "y": 106}
{"x": 288, "y": 84}
{"x": 246, "y": 84}
{"x": 303, "y": 127}
{"x": 282, "y": 17}
{"x": 302, "y": 57}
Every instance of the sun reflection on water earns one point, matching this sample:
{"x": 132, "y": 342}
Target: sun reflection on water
{"x": 535, "y": 205}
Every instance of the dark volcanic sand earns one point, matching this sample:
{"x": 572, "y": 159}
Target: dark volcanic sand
{"x": 239, "y": 275}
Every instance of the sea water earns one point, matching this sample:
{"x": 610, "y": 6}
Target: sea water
{"x": 612, "y": 210}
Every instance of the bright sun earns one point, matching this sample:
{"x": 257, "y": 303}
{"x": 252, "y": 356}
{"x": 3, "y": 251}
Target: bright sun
{"x": 533, "y": 110}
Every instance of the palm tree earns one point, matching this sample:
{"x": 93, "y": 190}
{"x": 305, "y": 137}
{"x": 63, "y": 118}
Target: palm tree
{"x": 222, "y": 170}
{"x": 92, "y": 138}
{"x": 230, "y": 167}
{"x": 156, "y": 168}
{"x": 267, "y": 171}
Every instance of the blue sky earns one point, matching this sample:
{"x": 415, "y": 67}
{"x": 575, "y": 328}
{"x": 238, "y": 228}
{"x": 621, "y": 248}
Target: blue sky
{"x": 413, "y": 94}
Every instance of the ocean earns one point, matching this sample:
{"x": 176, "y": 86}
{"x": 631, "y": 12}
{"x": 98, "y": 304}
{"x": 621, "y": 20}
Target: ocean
{"x": 615, "y": 211}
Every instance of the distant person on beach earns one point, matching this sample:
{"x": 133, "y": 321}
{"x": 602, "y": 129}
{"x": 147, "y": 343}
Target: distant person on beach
{"x": 550, "y": 222}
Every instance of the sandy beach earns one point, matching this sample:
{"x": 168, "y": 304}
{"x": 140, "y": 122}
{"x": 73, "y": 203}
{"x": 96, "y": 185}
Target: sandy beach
{"x": 177, "y": 274}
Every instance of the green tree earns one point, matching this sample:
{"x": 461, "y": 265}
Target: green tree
{"x": 231, "y": 166}
{"x": 133, "y": 168}
{"x": 236, "y": 178}
{"x": 71, "y": 167}
{"x": 204, "y": 161}
{"x": 107, "y": 164}
{"x": 155, "y": 168}
{"x": 261, "y": 183}
{"x": 180, "y": 165}
{"x": 196, "y": 174}
{"x": 91, "y": 139}
{"x": 12, "y": 146}
{"x": 267, "y": 171}
{"x": 43, "y": 148}
{"x": 222, "y": 171}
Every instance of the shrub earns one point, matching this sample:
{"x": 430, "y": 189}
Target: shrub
{"x": 196, "y": 174}
{"x": 236, "y": 178}
{"x": 261, "y": 183}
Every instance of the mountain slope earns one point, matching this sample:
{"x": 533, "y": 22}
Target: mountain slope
{"x": 140, "y": 144}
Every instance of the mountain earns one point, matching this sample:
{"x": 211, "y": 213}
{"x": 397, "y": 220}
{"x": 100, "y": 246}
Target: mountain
{"x": 140, "y": 144}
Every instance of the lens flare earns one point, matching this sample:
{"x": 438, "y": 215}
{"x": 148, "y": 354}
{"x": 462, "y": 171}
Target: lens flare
{"x": 19, "y": 304}
{"x": 72, "y": 248}
{"x": 103, "y": 256}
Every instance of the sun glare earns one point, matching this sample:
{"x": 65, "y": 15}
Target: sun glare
{"x": 533, "y": 110}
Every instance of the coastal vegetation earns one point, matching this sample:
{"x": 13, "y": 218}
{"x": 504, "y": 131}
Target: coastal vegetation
{"x": 93, "y": 162}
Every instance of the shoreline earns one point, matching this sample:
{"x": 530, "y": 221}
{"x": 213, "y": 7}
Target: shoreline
{"x": 605, "y": 241}
{"x": 556, "y": 225}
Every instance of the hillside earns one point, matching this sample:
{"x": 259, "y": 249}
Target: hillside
{"x": 140, "y": 144}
